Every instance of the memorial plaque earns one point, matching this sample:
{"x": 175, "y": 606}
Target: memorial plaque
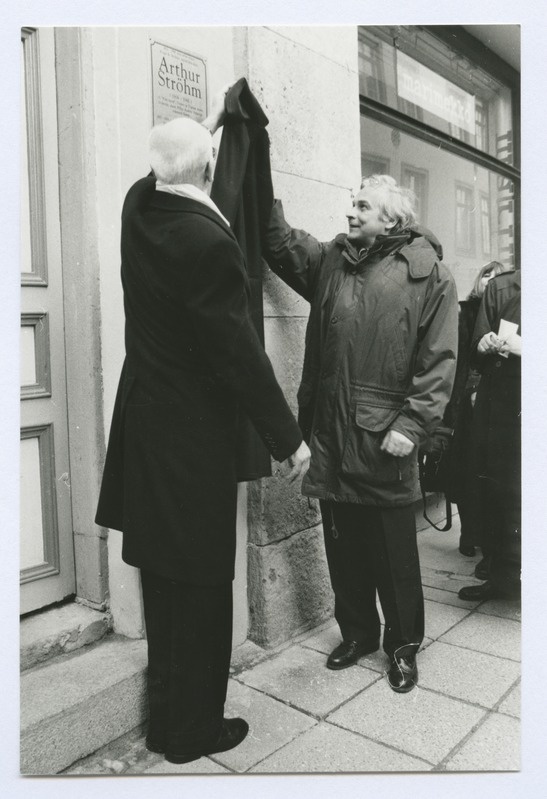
{"x": 179, "y": 84}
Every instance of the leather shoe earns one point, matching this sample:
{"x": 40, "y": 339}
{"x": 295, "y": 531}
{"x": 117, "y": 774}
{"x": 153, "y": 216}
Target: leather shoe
{"x": 348, "y": 652}
{"x": 480, "y": 593}
{"x": 403, "y": 673}
{"x": 232, "y": 734}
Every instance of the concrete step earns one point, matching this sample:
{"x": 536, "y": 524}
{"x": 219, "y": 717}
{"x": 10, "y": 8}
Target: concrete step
{"x": 59, "y": 631}
{"x": 77, "y": 703}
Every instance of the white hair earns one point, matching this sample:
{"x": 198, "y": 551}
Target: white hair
{"x": 398, "y": 203}
{"x": 179, "y": 151}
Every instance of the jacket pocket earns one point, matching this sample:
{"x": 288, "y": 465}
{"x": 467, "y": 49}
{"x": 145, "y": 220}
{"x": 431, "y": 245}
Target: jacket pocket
{"x": 362, "y": 458}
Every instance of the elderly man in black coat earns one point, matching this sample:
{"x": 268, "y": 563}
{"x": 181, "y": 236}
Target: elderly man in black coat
{"x": 193, "y": 359}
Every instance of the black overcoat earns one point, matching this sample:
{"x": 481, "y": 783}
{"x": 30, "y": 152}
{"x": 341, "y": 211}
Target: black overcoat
{"x": 497, "y": 412}
{"x": 192, "y": 357}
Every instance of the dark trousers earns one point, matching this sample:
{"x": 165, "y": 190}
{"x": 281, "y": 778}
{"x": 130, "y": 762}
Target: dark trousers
{"x": 501, "y": 512}
{"x": 189, "y": 634}
{"x": 373, "y": 550}
{"x": 469, "y": 510}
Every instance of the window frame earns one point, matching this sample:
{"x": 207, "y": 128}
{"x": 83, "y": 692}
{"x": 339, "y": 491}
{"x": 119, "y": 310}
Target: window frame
{"x": 475, "y": 50}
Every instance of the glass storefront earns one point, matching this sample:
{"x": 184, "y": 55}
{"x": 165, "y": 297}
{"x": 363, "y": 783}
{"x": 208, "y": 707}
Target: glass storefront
{"x": 408, "y": 69}
{"x": 440, "y": 124}
{"x": 470, "y": 209}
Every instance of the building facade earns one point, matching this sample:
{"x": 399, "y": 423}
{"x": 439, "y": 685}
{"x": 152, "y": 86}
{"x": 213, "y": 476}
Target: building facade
{"x": 436, "y": 107}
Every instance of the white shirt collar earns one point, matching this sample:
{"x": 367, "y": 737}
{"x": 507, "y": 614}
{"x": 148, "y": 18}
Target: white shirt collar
{"x": 191, "y": 192}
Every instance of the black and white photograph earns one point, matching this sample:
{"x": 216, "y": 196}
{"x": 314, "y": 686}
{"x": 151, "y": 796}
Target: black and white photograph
{"x": 270, "y": 406}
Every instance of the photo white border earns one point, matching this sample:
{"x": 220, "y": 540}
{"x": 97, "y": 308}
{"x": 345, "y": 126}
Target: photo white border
{"x": 532, "y": 780}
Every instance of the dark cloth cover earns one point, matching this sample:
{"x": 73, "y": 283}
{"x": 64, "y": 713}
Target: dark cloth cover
{"x": 242, "y": 190}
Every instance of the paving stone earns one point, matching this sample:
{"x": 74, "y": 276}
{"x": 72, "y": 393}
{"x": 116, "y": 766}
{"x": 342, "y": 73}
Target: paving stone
{"x": 246, "y": 656}
{"x": 440, "y": 618}
{"x": 271, "y": 725}
{"x": 325, "y": 640}
{"x": 202, "y": 766}
{"x": 506, "y": 608}
{"x": 490, "y": 634}
{"x": 92, "y": 768}
{"x": 328, "y": 749}
{"x": 447, "y": 581}
{"x": 512, "y": 703}
{"x": 464, "y": 674}
{"x": 439, "y": 551}
{"x": 420, "y": 723}
{"x": 447, "y": 598}
{"x": 495, "y": 746}
{"x": 299, "y": 676}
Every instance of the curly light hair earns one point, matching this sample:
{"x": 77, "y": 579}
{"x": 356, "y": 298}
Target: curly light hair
{"x": 397, "y": 203}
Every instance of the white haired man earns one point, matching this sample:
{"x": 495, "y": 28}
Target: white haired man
{"x": 378, "y": 371}
{"x": 193, "y": 358}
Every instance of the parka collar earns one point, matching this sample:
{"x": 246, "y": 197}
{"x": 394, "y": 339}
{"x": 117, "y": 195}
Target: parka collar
{"x": 418, "y": 246}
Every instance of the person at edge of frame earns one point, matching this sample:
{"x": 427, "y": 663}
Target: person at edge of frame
{"x": 496, "y": 349}
{"x": 379, "y": 364}
{"x": 458, "y": 415}
{"x": 169, "y": 482}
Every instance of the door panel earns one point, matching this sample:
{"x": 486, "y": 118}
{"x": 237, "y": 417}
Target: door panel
{"x": 47, "y": 550}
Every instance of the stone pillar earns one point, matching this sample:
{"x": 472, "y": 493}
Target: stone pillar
{"x": 306, "y": 80}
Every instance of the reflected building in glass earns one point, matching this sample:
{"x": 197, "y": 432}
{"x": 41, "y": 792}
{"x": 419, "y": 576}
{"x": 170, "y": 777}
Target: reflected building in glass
{"x": 442, "y": 122}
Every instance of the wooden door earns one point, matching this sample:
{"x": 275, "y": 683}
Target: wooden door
{"x": 47, "y": 550}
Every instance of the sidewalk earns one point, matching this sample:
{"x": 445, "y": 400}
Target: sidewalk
{"x": 463, "y": 716}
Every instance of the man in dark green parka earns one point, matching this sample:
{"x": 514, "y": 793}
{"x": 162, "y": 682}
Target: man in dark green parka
{"x": 378, "y": 370}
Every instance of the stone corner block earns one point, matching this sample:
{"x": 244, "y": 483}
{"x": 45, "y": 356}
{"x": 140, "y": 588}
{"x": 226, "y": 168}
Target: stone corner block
{"x": 289, "y": 588}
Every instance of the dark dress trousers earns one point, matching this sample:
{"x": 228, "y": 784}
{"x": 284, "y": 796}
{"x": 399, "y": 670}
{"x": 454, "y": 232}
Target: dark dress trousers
{"x": 193, "y": 359}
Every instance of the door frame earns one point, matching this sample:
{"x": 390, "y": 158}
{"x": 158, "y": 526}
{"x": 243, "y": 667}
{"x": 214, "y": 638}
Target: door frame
{"x": 80, "y": 263}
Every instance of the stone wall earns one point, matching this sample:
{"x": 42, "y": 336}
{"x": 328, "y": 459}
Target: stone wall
{"x": 306, "y": 81}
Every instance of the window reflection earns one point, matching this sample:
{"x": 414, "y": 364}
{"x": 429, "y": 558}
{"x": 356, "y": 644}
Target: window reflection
{"x": 409, "y": 69}
{"x": 469, "y": 208}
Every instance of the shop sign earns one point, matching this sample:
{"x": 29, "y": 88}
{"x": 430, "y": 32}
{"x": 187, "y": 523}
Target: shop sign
{"x": 179, "y": 84}
{"x": 423, "y": 87}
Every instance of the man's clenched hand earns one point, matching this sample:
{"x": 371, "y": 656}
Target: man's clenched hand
{"x": 397, "y": 444}
{"x": 299, "y": 462}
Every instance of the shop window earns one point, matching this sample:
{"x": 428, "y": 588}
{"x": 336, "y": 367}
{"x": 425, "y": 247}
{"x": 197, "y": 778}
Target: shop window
{"x": 371, "y": 67}
{"x": 413, "y": 71}
{"x": 374, "y": 165}
{"x": 465, "y": 211}
{"x": 485, "y": 225}
{"x": 481, "y": 125}
{"x": 416, "y": 180}
{"x": 434, "y": 171}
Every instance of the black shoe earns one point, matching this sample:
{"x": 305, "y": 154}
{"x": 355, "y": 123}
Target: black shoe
{"x": 233, "y": 733}
{"x": 482, "y": 569}
{"x": 155, "y": 745}
{"x": 403, "y": 673}
{"x": 479, "y": 593}
{"x": 466, "y": 549}
{"x": 348, "y": 652}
